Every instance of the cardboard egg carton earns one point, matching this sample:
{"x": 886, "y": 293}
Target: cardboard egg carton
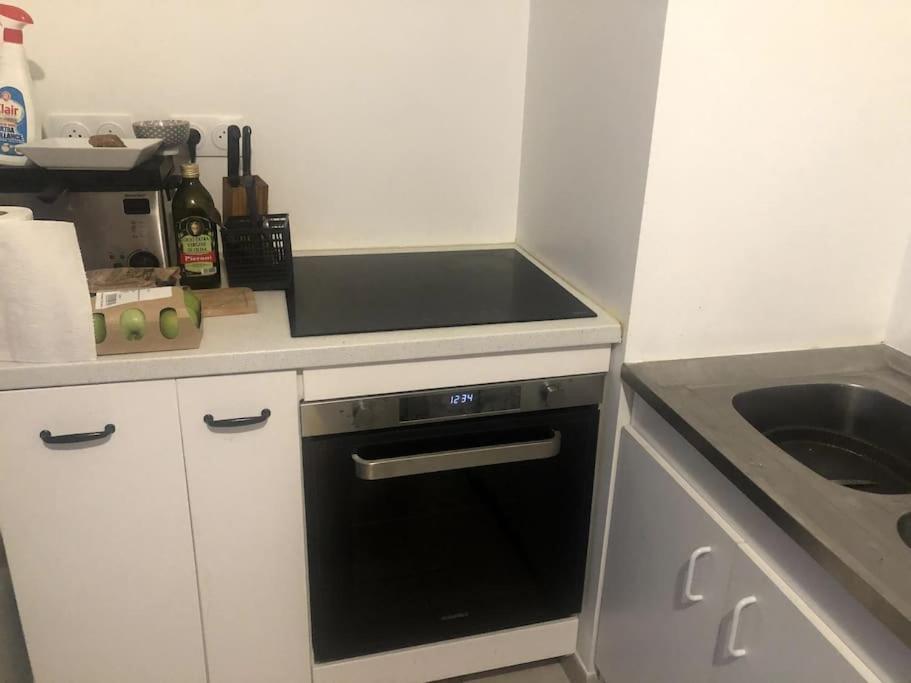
{"x": 123, "y": 335}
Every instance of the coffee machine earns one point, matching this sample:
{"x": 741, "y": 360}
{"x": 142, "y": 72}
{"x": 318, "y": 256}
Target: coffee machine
{"x": 122, "y": 218}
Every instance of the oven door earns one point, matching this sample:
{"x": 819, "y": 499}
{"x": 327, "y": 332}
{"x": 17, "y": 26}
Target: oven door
{"x": 425, "y": 533}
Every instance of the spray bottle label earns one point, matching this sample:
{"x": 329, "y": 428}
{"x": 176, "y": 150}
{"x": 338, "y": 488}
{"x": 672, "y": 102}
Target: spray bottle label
{"x": 13, "y": 121}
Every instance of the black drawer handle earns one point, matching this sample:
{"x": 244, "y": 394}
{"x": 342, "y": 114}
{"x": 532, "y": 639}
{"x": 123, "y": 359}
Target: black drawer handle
{"x": 238, "y": 421}
{"x": 49, "y": 438}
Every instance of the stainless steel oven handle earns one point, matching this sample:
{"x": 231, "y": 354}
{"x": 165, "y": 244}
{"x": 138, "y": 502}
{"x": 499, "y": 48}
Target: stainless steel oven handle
{"x": 443, "y": 461}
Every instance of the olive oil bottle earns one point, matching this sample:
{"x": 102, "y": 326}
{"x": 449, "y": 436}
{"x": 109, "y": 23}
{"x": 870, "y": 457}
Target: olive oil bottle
{"x": 196, "y": 226}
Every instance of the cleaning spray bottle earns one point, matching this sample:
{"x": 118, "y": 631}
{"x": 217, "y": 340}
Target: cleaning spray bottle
{"x": 19, "y": 121}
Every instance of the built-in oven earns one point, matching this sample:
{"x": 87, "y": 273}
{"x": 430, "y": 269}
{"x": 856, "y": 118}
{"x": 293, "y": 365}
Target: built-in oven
{"x": 443, "y": 514}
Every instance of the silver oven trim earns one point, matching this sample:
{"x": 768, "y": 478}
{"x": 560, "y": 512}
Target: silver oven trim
{"x": 381, "y": 412}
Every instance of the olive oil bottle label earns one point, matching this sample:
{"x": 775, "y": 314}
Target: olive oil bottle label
{"x": 196, "y": 244}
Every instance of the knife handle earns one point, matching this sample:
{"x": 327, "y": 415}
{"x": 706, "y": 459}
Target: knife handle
{"x": 192, "y": 143}
{"x": 248, "y": 150}
{"x": 234, "y": 155}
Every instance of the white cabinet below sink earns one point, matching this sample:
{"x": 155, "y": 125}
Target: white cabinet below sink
{"x": 662, "y": 546}
{"x": 779, "y": 640}
{"x": 687, "y": 600}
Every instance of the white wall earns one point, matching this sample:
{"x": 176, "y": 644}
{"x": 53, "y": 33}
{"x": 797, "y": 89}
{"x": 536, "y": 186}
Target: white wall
{"x": 898, "y": 334}
{"x": 376, "y": 123}
{"x": 778, "y": 206}
{"x": 591, "y": 88}
{"x": 778, "y": 195}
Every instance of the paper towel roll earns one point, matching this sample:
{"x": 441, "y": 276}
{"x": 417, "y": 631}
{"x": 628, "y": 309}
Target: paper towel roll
{"x": 15, "y": 213}
{"x": 45, "y": 309}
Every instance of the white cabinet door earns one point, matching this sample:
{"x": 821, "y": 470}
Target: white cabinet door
{"x": 98, "y": 534}
{"x": 766, "y": 637}
{"x": 663, "y": 546}
{"x": 248, "y": 521}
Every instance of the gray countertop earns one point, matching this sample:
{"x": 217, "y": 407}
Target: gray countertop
{"x": 851, "y": 533}
{"x": 262, "y": 342}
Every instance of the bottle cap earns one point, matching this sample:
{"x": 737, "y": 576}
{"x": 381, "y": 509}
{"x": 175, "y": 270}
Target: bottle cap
{"x": 189, "y": 170}
{"x": 14, "y": 20}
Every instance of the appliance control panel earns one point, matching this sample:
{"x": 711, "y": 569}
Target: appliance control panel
{"x": 461, "y": 401}
{"x": 455, "y": 403}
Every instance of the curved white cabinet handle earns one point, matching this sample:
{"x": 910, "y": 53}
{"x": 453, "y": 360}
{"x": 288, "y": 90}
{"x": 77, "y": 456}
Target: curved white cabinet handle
{"x": 733, "y": 650}
{"x": 690, "y": 571}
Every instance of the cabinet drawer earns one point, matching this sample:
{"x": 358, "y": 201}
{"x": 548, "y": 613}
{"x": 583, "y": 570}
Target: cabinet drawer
{"x": 245, "y": 484}
{"x": 97, "y": 532}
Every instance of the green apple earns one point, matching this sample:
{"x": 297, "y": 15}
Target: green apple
{"x": 195, "y": 316}
{"x": 101, "y": 328}
{"x": 192, "y": 301}
{"x": 194, "y": 306}
{"x": 169, "y": 324}
{"x": 133, "y": 324}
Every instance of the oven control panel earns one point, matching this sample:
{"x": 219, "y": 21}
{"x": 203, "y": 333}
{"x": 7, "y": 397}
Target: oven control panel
{"x": 455, "y": 403}
{"x": 461, "y": 401}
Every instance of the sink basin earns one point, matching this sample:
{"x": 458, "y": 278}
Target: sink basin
{"x": 904, "y": 528}
{"x": 853, "y": 436}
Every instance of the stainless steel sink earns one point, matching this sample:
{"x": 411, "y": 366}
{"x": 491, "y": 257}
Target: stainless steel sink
{"x": 783, "y": 428}
{"x": 853, "y": 436}
{"x": 904, "y": 528}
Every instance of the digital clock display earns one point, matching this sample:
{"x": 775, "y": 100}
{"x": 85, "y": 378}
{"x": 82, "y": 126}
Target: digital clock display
{"x": 463, "y": 402}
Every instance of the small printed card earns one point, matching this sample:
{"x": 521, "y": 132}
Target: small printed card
{"x": 105, "y": 300}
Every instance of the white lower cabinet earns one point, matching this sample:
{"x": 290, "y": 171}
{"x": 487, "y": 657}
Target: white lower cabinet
{"x": 245, "y": 483}
{"x": 666, "y": 578}
{"x": 97, "y": 532}
{"x": 775, "y": 641}
{"x": 686, "y": 600}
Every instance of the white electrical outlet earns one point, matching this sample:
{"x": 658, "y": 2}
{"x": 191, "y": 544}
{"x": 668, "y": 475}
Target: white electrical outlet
{"x": 86, "y": 125}
{"x": 213, "y": 132}
{"x": 219, "y": 137}
{"x": 203, "y": 144}
{"x": 73, "y": 129}
{"x": 111, "y": 128}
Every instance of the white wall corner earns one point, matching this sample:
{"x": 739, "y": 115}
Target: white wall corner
{"x": 898, "y": 332}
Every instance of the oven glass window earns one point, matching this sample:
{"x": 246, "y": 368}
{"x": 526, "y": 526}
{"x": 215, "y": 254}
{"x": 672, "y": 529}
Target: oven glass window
{"x": 420, "y": 558}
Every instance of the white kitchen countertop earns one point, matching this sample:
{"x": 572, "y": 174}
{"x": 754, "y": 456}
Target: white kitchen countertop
{"x": 263, "y": 343}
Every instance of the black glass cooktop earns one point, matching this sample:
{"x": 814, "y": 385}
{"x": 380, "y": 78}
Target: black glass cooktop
{"x": 407, "y": 291}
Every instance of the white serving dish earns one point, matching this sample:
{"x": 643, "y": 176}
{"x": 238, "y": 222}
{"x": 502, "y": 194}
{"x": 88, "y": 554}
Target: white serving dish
{"x": 76, "y": 154}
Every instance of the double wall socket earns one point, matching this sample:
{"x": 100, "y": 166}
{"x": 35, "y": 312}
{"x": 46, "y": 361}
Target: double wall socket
{"x": 213, "y": 132}
{"x": 86, "y": 125}
{"x": 213, "y": 129}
